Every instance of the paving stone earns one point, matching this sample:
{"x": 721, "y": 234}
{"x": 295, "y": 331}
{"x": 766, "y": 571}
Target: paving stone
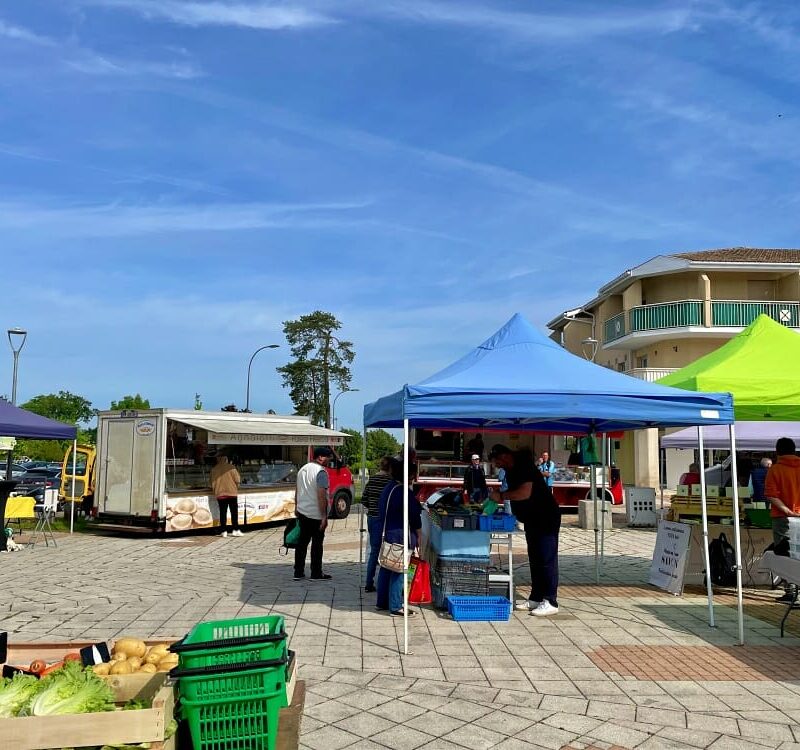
{"x": 504, "y": 723}
{"x": 661, "y": 716}
{"x": 761, "y": 730}
{"x": 464, "y": 710}
{"x": 689, "y": 737}
{"x": 397, "y": 711}
{"x": 619, "y": 735}
{"x": 434, "y": 724}
{"x": 364, "y": 724}
{"x": 329, "y": 738}
{"x": 474, "y": 737}
{"x": 330, "y": 711}
{"x": 402, "y": 738}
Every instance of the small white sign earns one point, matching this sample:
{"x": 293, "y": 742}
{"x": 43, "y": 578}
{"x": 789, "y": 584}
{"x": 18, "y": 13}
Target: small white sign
{"x": 670, "y": 555}
{"x": 7, "y": 443}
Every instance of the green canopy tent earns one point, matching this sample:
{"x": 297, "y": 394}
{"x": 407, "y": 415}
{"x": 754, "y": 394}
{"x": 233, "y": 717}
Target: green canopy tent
{"x": 758, "y": 368}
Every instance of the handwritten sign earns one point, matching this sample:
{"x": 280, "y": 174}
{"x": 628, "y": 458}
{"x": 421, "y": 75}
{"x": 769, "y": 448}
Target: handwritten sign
{"x": 670, "y": 555}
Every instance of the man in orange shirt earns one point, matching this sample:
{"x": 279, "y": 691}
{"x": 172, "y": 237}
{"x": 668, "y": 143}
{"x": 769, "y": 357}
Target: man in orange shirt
{"x": 782, "y": 491}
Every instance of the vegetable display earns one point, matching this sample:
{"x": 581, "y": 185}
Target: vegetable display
{"x": 132, "y": 656}
{"x": 68, "y": 689}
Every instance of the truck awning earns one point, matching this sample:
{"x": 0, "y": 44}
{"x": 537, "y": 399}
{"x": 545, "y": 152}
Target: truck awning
{"x": 256, "y": 430}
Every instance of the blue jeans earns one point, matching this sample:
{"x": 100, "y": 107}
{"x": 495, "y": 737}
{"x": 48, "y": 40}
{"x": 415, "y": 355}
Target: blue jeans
{"x": 375, "y": 532}
{"x": 390, "y": 590}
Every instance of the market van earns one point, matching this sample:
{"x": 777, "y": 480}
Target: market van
{"x": 152, "y": 467}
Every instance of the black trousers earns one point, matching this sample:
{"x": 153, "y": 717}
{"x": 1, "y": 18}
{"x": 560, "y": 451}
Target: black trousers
{"x": 224, "y": 504}
{"x": 542, "y": 556}
{"x": 310, "y": 531}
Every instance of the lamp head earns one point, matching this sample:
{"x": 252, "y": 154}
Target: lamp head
{"x": 16, "y": 338}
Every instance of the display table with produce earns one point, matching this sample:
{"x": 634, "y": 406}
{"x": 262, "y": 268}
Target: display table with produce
{"x": 456, "y": 541}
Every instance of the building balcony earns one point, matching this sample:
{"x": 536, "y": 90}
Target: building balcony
{"x": 691, "y": 318}
{"x": 650, "y": 374}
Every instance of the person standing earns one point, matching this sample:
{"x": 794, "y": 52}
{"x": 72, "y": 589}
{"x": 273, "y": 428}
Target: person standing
{"x": 390, "y": 517}
{"x": 312, "y": 514}
{"x": 225, "y": 482}
{"x": 758, "y": 478}
{"x": 372, "y": 494}
{"x": 475, "y": 480}
{"x": 782, "y": 491}
{"x": 533, "y": 504}
{"x": 548, "y": 468}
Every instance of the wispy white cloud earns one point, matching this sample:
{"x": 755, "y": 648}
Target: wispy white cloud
{"x": 263, "y": 16}
{"x": 114, "y": 220}
{"x": 92, "y": 63}
{"x": 21, "y": 34}
{"x": 535, "y": 26}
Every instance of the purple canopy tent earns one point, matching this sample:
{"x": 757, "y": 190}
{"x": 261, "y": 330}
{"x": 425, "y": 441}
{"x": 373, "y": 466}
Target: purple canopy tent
{"x": 750, "y": 436}
{"x": 19, "y": 423}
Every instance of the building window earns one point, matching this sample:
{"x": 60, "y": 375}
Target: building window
{"x": 620, "y": 367}
{"x": 641, "y": 362}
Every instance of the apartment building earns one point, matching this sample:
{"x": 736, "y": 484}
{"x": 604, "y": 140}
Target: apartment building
{"x": 669, "y": 311}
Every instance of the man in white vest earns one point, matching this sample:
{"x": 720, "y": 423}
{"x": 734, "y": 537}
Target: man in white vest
{"x": 312, "y": 513}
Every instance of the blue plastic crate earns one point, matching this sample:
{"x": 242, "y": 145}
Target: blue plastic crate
{"x": 479, "y": 608}
{"x": 497, "y": 522}
{"x": 458, "y": 543}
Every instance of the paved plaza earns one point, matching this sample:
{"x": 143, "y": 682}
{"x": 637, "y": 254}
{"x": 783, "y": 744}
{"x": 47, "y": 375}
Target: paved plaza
{"x": 622, "y": 665}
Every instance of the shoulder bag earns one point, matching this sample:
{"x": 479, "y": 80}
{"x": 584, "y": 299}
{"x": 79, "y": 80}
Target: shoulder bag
{"x": 391, "y": 555}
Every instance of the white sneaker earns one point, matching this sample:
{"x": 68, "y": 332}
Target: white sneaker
{"x": 545, "y": 609}
{"x": 528, "y": 604}
{"x": 224, "y": 534}
{"x": 236, "y": 532}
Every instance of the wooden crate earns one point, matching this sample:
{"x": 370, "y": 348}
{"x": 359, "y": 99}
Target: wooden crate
{"x": 80, "y": 730}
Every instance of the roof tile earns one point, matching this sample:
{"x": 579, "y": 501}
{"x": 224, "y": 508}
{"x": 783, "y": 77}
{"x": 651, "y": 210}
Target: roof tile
{"x": 743, "y": 255}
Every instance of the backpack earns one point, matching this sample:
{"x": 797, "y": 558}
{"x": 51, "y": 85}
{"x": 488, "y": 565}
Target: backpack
{"x": 291, "y": 536}
{"x": 722, "y": 562}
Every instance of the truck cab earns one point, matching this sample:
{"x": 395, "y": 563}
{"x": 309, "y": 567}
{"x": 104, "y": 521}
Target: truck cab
{"x": 341, "y": 490}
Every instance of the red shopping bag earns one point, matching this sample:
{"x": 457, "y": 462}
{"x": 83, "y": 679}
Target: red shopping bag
{"x": 420, "y": 591}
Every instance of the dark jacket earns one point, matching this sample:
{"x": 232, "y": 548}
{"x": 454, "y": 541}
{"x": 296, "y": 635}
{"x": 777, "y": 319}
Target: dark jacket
{"x": 474, "y": 478}
{"x": 758, "y": 477}
{"x": 390, "y": 510}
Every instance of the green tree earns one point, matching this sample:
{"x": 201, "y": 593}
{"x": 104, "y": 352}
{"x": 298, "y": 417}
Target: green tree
{"x": 130, "y": 402}
{"x": 350, "y": 450}
{"x": 64, "y": 407}
{"x": 320, "y": 359}
{"x": 380, "y": 443}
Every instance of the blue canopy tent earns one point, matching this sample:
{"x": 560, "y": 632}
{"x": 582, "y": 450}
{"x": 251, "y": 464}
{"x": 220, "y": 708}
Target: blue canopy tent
{"x": 19, "y": 423}
{"x": 520, "y": 380}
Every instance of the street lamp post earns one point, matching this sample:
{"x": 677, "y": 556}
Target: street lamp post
{"x": 249, "y": 365}
{"x": 333, "y": 405}
{"x": 16, "y": 339}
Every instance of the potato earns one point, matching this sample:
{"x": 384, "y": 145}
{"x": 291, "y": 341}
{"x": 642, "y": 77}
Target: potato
{"x": 147, "y": 669}
{"x": 102, "y": 669}
{"x": 121, "y": 667}
{"x": 135, "y": 662}
{"x": 160, "y": 648}
{"x": 119, "y": 656}
{"x": 131, "y": 646}
{"x": 153, "y": 657}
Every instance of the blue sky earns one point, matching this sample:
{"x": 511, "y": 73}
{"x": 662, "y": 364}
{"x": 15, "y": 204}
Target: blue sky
{"x": 178, "y": 178}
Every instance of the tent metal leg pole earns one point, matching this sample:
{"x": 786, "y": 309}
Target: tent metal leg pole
{"x": 704, "y": 514}
{"x": 593, "y": 490}
{"x": 361, "y": 509}
{"x": 603, "y": 475}
{"x": 72, "y": 504}
{"x": 737, "y": 534}
{"x": 406, "y": 457}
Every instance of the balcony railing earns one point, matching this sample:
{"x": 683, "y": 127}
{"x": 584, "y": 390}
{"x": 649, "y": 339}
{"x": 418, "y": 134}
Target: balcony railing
{"x": 689, "y": 313}
{"x": 666, "y": 315}
{"x": 741, "y": 314}
{"x": 614, "y": 328}
{"x": 650, "y": 374}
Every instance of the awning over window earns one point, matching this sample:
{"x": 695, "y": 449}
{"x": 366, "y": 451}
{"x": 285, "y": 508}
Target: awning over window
{"x": 247, "y": 429}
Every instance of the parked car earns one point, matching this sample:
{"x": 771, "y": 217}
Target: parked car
{"x": 41, "y": 479}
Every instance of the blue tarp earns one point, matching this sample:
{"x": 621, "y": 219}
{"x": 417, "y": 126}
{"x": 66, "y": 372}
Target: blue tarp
{"x": 521, "y": 380}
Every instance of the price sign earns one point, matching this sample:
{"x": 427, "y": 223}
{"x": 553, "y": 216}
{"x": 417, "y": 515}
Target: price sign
{"x": 670, "y": 555}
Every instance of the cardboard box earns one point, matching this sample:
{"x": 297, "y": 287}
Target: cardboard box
{"x": 712, "y": 490}
{"x": 682, "y": 490}
{"x": 696, "y": 490}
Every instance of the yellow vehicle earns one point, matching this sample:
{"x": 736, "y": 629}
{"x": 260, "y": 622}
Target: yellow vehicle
{"x": 85, "y": 458}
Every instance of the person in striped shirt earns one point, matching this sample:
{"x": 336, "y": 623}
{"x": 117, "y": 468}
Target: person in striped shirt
{"x": 372, "y": 493}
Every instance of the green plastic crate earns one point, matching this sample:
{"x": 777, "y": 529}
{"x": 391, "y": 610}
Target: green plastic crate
{"x": 228, "y": 642}
{"x": 250, "y": 724}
